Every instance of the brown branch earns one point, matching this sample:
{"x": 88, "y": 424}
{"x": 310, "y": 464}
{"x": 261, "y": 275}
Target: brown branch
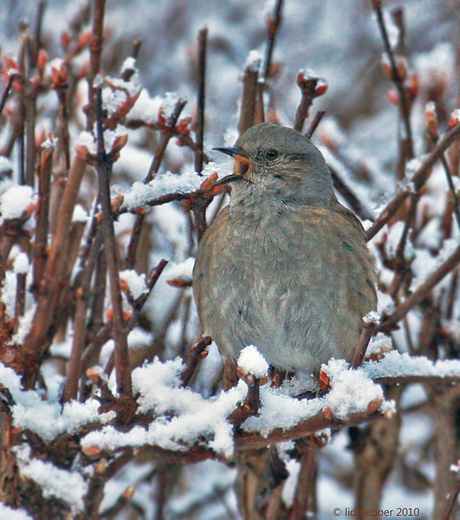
{"x": 418, "y": 180}
{"x": 451, "y": 501}
{"x": 398, "y": 82}
{"x": 39, "y": 254}
{"x": 165, "y": 137}
{"x": 273, "y": 25}
{"x": 6, "y": 92}
{"x": 95, "y": 50}
{"x": 352, "y": 200}
{"x": 74, "y": 367}
{"x": 322, "y": 420}
{"x": 422, "y": 292}
{"x": 307, "y": 87}
{"x": 248, "y": 97}
{"x": 104, "y": 168}
{"x": 197, "y": 352}
{"x": 304, "y": 493}
{"x": 314, "y": 124}
{"x": 368, "y": 331}
{"x": 105, "y": 332}
{"x": 450, "y": 182}
{"x": 199, "y": 131}
{"x": 37, "y": 39}
{"x": 56, "y": 267}
{"x": 20, "y": 298}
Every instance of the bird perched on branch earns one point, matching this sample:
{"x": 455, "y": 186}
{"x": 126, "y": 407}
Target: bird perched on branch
{"x": 284, "y": 266}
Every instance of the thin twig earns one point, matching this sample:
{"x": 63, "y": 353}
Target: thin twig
{"x": 196, "y": 354}
{"x": 41, "y": 230}
{"x": 201, "y": 97}
{"x": 104, "y": 168}
{"x": 418, "y": 180}
{"x": 273, "y": 24}
{"x": 314, "y": 124}
{"x": 37, "y": 40}
{"x": 307, "y": 87}
{"x": 6, "y": 92}
{"x": 397, "y": 80}
{"x": 165, "y": 137}
{"x": 95, "y": 48}
{"x": 248, "y": 97}
{"x": 352, "y": 200}
{"x": 423, "y": 290}
{"x": 75, "y": 361}
{"x": 360, "y": 351}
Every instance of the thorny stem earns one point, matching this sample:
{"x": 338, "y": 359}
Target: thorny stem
{"x": 120, "y": 332}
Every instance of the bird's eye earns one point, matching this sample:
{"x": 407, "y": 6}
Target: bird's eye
{"x": 271, "y": 154}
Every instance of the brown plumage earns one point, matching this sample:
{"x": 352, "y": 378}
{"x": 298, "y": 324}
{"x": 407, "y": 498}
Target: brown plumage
{"x": 284, "y": 266}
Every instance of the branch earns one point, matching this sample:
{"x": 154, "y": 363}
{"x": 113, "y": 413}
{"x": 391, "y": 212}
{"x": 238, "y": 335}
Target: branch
{"x": 197, "y": 352}
{"x": 199, "y": 132}
{"x": 273, "y": 24}
{"x": 422, "y": 292}
{"x": 104, "y": 168}
{"x": 418, "y": 180}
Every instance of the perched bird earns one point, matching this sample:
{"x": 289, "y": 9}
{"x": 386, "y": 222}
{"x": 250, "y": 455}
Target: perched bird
{"x": 284, "y": 266}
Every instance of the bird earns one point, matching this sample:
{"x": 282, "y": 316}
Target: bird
{"x": 284, "y": 266}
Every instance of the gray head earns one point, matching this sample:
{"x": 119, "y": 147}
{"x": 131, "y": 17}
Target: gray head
{"x": 283, "y": 163}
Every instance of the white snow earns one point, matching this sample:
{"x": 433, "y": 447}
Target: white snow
{"x": 253, "y": 60}
{"x": 163, "y": 184}
{"x": 351, "y": 392}
{"x": 48, "y": 419}
{"x": 252, "y": 362}
{"x": 25, "y": 324}
{"x": 183, "y": 416}
{"x": 21, "y": 264}
{"x": 135, "y": 281}
{"x": 69, "y": 486}
{"x": 425, "y": 264}
{"x": 80, "y": 214}
{"x": 88, "y": 139}
{"x": 8, "y": 513}
{"x": 15, "y": 201}
{"x": 182, "y": 270}
{"x": 372, "y": 317}
{"x": 395, "y": 364}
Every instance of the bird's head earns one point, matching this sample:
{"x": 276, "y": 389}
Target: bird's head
{"x": 279, "y": 162}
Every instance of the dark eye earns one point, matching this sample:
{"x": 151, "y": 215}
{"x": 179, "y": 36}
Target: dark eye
{"x": 271, "y": 154}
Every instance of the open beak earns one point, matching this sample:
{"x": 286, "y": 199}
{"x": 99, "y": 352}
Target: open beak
{"x": 242, "y": 163}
